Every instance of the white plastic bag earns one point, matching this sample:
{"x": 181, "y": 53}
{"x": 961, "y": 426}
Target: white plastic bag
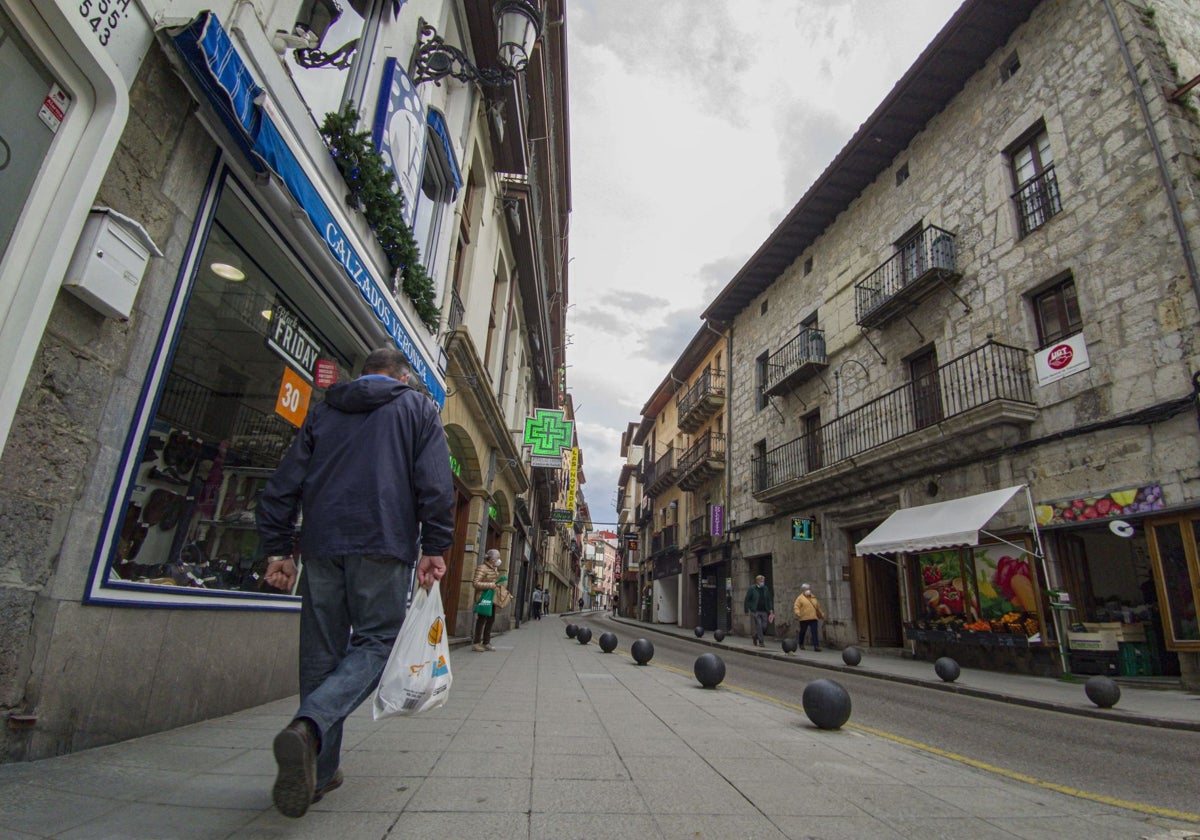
{"x": 417, "y": 675}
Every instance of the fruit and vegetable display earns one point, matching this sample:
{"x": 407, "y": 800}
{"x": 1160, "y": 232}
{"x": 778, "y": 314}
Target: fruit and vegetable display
{"x": 1117, "y": 503}
{"x": 1005, "y": 583}
{"x": 1004, "y": 600}
{"x": 943, "y": 591}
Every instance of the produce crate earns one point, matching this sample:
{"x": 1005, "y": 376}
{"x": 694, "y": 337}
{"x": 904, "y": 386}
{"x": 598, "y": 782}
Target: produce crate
{"x": 1135, "y": 632}
{"x": 1101, "y": 640}
{"x": 1135, "y": 659}
{"x": 1094, "y": 662}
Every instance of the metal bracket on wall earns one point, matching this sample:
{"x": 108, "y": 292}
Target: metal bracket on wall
{"x": 867, "y": 336}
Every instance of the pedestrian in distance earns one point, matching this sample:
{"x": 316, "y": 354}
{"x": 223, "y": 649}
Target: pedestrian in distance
{"x": 760, "y": 608}
{"x": 536, "y": 605}
{"x": 581, "y": 603}
{"x": 486, "y": 581}
{"x": 808, "y": 611}
{"x": 370, "y": 469}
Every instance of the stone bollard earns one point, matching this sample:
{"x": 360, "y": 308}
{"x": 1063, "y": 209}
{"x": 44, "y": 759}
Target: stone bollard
{"x": 571, "y": 631}
{"x": 790, "y": 644}
{"x": 583, "y": 635}
{"x": 852, "y": 655}
{"x": 826, "y": 703}
{"x": 719, "y": 635}
{"x": 709, "y": 670}
{"x": 947, "y": 669}
{"x": 699, "y": 631}
{"x": 608, "y": 642}
{"x": 642, "y": 651}
{"x": 1103, "y": 691}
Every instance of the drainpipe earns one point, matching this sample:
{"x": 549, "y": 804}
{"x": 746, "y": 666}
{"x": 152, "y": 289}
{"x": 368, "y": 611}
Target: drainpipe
{"x": 1172, "y": 199}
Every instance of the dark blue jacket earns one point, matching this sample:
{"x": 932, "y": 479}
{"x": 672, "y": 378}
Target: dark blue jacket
{"x": 370, "y": 469}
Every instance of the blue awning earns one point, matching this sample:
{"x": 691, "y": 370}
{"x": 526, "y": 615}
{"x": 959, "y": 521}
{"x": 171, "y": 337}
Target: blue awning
{"x": 438, "y": 123}
{"x": 211, "y": 56}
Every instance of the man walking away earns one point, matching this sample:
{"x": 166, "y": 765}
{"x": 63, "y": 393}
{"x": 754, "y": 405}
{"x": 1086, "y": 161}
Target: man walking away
{"x": 370, "y": 469}
{"x": 760, "y": 608}
{"x": 808, "y": 610}
{"x": 537, "y": 605}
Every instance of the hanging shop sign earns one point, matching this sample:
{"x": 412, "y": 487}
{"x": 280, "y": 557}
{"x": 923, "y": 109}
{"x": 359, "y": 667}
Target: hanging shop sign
{"x": 573, "y": 478}
{"x": 802, "y": 529}
{"x": 716, "y": 520}
{"x": 399, "y": 133}
{"x": 548, "y": 434}
{"x": 291, "y": 340}
{"x": 1061, "y": 359}
{"x": 561, "y": 515}
{"x": 1117, "y": 503}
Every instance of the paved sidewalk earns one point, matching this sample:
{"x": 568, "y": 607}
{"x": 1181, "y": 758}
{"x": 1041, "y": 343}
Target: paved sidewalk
{"x": 547, "y": 738}
{"x": 1163, "y": 707}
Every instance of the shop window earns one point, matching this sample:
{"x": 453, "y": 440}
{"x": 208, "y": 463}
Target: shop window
{"x": 1175, "y": 552}
{"x": 760, "y": 381}
{"x": 253, "y": 333}
{"x": 1036, "y": 197}
{"x": 1056, "y": 313}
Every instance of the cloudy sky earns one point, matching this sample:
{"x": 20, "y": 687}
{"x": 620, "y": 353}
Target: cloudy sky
{"x": 695, "y": 126}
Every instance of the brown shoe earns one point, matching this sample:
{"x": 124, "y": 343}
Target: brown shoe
{"x": 332, "y": 784}
{"x": 296, "y": 757}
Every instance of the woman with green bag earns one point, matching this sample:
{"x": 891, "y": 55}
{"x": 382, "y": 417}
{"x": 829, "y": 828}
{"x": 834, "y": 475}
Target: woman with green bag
{"x": 486, "y": 580}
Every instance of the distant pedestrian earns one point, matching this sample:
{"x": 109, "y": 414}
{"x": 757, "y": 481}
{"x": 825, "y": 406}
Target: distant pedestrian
{"x": 808, "y": 610}
{"x": 486, "y": 581}
{"x": 536, "y": 613}
{"x": 616, "y": 602}
{"x": 371, "y": 471}
{"x": 760, "y": 608}
{"x": 581, "y": 602}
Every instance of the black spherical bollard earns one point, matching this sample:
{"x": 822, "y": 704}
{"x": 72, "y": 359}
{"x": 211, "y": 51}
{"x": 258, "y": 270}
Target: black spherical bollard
{"x": 709, "y": 670}
{"x": 642, "y": 651}
{"x": 852, "y": 655}
{"x": 608, "y": 642}
{"x": 719, "y": 635}
{"x": 571, "y": 631}
{"x": 826, "y": 703}
{"x": 1103, "y": 691}
{"x": 583, "y": 635}
{"x": 699, "y": 631}
{"x": 790, "y": 645}
{"x": 947, "y": 669}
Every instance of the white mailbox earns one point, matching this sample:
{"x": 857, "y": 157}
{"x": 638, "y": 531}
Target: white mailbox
{"x": 109, "y": 261}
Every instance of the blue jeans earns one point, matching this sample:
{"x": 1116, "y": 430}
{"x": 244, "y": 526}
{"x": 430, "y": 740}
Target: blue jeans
{"x": 350, "y": 615}
{"x": 805, "y": 627}
{"x": 758, "y": 623}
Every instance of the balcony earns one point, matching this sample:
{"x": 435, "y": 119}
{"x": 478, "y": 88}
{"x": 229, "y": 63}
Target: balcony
{"x": 661, "y": 475}
{"x": 1037, "y": 200}
{"x": 900, "y": 283}
{"x": 700, "y": 532}
{"x": 704, "y": 399}
{"x": 665, "y": 541}
{"x": 977, "y": 404}
{"x": 703, "y": 460}
{"x": 797, "y": 361}
{"x": 454, "y": 318}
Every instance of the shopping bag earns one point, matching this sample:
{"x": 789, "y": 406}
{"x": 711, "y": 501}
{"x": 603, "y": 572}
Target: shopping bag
{"x": 417, "y": 675}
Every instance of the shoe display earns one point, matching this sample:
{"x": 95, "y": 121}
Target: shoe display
{"x": 478, "y": 647}
{"x": 296, "y": 781}
{"x": 332, "y": 784}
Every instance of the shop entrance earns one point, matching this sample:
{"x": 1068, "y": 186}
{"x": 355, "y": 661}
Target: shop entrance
{"x": 875, "y": 594}
{"x": 1117, "y": 624}
{"x": 714, "y": 597}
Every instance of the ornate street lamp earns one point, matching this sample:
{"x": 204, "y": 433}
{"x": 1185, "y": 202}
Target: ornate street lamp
{"x": 518, "y": 24}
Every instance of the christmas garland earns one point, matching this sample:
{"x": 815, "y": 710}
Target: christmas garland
{"x": 370, "y": 185}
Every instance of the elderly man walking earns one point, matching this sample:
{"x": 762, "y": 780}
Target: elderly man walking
{"x": 371, "y": 469}
{"x": 760, "y": 608}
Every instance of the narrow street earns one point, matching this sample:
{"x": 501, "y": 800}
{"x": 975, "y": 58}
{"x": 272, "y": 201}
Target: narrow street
{"x": 1103, "y": 758}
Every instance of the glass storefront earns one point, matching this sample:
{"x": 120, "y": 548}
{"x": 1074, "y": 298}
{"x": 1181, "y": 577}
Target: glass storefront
{"x": 256, "y": 341}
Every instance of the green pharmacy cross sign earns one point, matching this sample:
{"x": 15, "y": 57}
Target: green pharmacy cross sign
{"x": 547, "y": 433}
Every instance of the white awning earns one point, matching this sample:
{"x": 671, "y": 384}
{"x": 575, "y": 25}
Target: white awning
{"x": 941, "y": 525}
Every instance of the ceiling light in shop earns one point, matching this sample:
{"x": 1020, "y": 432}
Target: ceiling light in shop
{"x": 267, "y": 313}
{"x": 227, "y": 271}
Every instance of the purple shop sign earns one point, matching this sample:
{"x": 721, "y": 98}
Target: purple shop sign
{"x": 716, "y": 523}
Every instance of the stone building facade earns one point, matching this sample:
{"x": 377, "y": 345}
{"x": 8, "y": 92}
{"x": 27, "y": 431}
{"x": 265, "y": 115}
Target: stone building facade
{"x": 993, "y": 285}
{"x": 135, "y": 440}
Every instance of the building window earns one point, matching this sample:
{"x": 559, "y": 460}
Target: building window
{"x": 902, "y": 174}
{"x": 1036, "y": 196}
{"x": 440, "y": 181}
{"x": 760, "y": 380}
{"x": 926, "y": 391}
{"x": 1009, "y": 67}
{"x": 1056, "y": 312}
{"x": 813, "y": 459}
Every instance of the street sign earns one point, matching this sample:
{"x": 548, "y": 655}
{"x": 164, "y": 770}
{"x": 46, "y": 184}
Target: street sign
{"x": 802, "y": 529}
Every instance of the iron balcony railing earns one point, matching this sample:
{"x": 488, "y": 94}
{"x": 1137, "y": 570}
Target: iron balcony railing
{"x": 927, "y": 255}
{"x": 661, "y": 474}
{"x": 986, "y": 374}
{"x": 665, "y": 540}
{"x": 795, "y": 361}
{"x": 700, "y": 530}
{"x": 1037, "y": 201}
{"x": 703, "y": 459}
{"x": 701, "y": 401}
{"x": 455, "y": 317}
